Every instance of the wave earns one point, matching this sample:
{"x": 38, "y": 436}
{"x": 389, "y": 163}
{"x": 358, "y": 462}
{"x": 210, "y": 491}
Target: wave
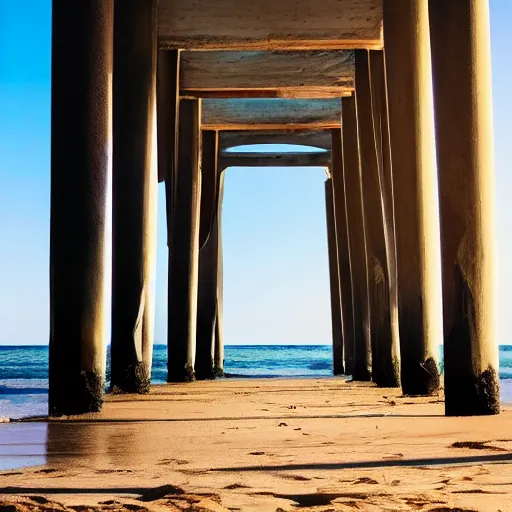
{"x": 4, "y": 390}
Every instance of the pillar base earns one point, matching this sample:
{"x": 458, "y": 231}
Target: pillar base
{"x": 205, "y": 371}
{"x": 474, "y": 396}
{"x": 389, "y": 377}
{"x": 219, "y": 372}
{"x": 362, "y": 375}
{"x": 135, "y": 379}
{"x": 88, "y": 398}
{"x": 185, "y": 374}
{"x": 420, "y": 378}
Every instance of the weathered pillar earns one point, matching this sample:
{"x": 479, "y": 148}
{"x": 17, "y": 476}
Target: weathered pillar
{"x": 168, "y": 94}
{"x": 461, "y": 56}
{"x": 148, "y": 318}
{"x": 334, "y": 280}
{"x": 382, "y": 146}
{"x": 208, "y": 254}
{"x": 411, "y": 126}
{"x": 219, "y": 323}
{"x": 134, "y": 96}
{"x": 340, "y": 211}
{"x": 384, "y": 367}
{"x": 184, "y": 248}
{"x": 80, "y": 119}
{"x": 357, "y": 242}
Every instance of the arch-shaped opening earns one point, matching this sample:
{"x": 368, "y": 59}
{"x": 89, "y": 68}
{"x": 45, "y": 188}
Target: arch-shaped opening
{"x": 274, "y": 148}
{"x": 276, "y": 282}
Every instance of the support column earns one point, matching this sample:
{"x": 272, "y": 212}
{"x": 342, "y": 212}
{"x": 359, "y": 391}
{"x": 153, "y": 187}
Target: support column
{"x": 411, "y": 126}
{"x": 345, "y": 278}
{"x": 208, "y": 254}
{"x": 334, "y": 280}
{"x": 384, "y": 367}
{"x": 168, "y": 89}
{"x": 148, "y": 319}
{"x": 80, "y": 126}
{"x": 461, "y": 57}
{"x": 184, "y": 248}
{"x": 382, "y": 146}
{"x": 134, "y": 96}
{"x": 357, "y": 242}
{"x": 219, "y": 321}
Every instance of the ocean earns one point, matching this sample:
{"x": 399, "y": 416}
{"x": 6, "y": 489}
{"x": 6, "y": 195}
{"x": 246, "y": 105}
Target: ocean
{"x": 24, "y": 370}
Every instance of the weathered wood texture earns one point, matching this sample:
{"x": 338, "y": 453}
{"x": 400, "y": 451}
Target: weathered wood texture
{"x": 461, "y": 57}
{"x": 334, "y": 281}
{"x": 278, "y": 74}
{"x": 208, "y": 254}
{"x": 318, "y": 138}
{"x": 383, "y": 373}
{"x": 134, "y": 99}
{"x": 184, "y": 248}
{"x": 382, "y": 145}
{"x": 219, "y": 319}
{"x": 167, "y": 97}
{"x": 81, "y": 99}
{"x": 357, "y": 242}
{"x": 244, "y": 114}
{"x": 340, "y": 210}
{"x": 411, "y": 125}
{"x": 267, "y": 24}
{"x": 275, "y": 160}
{"x": 290, "y": 93}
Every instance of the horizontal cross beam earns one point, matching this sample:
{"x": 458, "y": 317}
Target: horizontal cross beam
{"x": 265, "y": 114}
{"x": 270, "y": 24}
{"x": 319, "y": 139}
{"x": 274, "y": 74}
{"x": 321, "y": 159}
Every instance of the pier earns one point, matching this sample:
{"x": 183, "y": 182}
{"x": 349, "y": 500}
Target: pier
{"x": 146, "y": 92}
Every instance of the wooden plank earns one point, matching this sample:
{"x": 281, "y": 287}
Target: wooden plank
{"x": 247, "y": 114}
{"x": 270, "y": 25}
{"x": 284, "y": 93}
{"x": 282, "y": 73}
{"x": 319, "y": 139}
{"x": 322, "y": 159}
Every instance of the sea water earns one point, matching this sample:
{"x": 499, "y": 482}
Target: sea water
{"x": 24, "y": 370}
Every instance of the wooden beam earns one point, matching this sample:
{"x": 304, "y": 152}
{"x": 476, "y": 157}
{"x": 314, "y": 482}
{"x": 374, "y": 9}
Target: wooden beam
{"x": 259, "y": 114}
{"x": 270, "y": 25}
{"x": 319, "y": 139}
{"x": 322, "y": 159}
{"x": 275, "y": 74}
{"x": 283, "y": 93}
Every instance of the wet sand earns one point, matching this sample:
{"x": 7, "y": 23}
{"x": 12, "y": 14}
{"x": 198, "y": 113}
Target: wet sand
{"x": 261, "y": 445}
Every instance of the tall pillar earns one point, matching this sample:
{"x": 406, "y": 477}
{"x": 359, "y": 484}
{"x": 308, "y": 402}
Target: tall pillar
{"x": 384, "y": 366}
{"x": 168, "y": 100}
{"x": 219, "y": 320}
{"x": 134, "y": 96}
{"x": 382, "y": 146}
{"x": 340, "y": 211}
{"x": 208, "y": 254}
{"x": 411, "y": 126}
{"x": 334, "y": 280}
{"x": 80, "y": 119}
{"x": 461, "y": 56}
{"x": 148, "y": 318}
{"x": 184, "y": 247}
{"x": 357, "y": 242}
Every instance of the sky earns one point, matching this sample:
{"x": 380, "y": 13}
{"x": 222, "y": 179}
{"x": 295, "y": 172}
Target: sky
{"x": 275, "y": 258}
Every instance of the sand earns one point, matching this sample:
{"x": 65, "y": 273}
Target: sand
{"x": 262, "y": 445}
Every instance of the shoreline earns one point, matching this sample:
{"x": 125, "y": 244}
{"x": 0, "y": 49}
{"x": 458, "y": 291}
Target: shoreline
{"x": 263, "y": 445}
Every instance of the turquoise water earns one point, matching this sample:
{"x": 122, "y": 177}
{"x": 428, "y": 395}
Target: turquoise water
{"x": 24, "y": 370}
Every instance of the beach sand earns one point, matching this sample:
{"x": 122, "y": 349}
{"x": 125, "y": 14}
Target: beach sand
{"x": 262, "y": 445}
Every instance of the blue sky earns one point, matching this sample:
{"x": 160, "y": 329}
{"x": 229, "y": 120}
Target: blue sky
{"x": 276, "y": 276}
